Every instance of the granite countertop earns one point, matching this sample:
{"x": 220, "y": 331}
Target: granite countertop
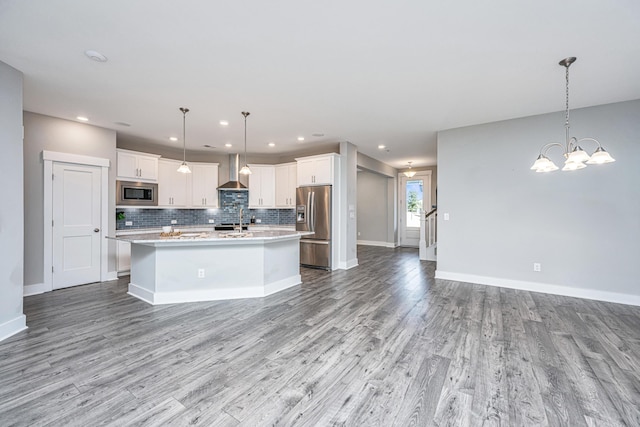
{"x": 209, "y": 237}
{"x": 201, "y": 228}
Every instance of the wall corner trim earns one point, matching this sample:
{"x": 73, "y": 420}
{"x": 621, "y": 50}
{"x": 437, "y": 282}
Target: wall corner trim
{"x": 592, "y": 294}
{"x": 13, "y": 326}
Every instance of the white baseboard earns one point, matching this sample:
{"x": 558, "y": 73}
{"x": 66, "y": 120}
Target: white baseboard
{"x": 348, "y": 264}
{"x": 34, "y": 289}
{"x": 111, "y": 275}
{"x": 546, "y": 288}
{"x": 13, "y": 326}
{"x": 156, "y": 298}
{"x": 376, "y": 243}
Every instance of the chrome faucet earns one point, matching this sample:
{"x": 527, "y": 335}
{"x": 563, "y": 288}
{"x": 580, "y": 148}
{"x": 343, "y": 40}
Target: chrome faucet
{"x": 240, "y": 211}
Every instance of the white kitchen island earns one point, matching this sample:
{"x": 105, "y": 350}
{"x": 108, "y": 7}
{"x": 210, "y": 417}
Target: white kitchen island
{"x": 213, "y": 265}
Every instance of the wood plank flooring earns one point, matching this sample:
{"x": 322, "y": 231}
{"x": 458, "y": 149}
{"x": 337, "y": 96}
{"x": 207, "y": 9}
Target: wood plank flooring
{"x": 383, "y": 344}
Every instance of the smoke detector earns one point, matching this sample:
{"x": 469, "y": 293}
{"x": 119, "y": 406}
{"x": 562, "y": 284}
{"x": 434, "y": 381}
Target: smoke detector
{"x": 95, "y": 56}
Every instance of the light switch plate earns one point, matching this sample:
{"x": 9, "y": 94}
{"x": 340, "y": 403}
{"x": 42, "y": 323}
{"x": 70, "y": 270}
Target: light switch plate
{"x": 446, "y": 217}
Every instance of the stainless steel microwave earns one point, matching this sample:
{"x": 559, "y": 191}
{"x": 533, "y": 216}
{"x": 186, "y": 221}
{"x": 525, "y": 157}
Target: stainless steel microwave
{"x": 136, "y": 193}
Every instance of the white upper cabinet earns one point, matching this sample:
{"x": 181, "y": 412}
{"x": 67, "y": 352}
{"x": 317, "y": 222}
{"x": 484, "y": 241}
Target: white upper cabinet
{"x": 286, "y": 180}
{"x": 204, "y": 186}
{"x": 172, "y": 185}
{"x": 135, "y": 166}
{"x": 316, "y": 170}
{"x": 262, "y": 183}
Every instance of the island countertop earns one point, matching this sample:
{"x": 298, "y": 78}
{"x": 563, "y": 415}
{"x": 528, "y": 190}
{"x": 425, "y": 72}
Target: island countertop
{"x": 210, "y": 237}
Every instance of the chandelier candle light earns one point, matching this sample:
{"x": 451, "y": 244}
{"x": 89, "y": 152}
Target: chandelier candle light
{"x": 184, "y": 167}
{"x": 245, "y": 169}
{"x": 575, "y": 156}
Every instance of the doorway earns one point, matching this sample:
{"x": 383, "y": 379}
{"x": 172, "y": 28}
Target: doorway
{"x": 414, "y": 196}
{"x": 75, "y": 220}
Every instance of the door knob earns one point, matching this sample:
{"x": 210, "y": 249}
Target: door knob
{"x": 95, "y": 230}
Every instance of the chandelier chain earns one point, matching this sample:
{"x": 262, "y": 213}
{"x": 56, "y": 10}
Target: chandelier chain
{"x": 567, "y": 97}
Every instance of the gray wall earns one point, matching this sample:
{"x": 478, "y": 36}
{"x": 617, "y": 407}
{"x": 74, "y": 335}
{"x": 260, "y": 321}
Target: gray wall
{"x": 582, "y": 226}
{"x": 53, "y": 134}
{"x": 373, "y": 202}
{"x": 11, "y": 209}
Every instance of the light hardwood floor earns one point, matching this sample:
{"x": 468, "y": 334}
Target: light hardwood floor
{"x": 383, "y": 344}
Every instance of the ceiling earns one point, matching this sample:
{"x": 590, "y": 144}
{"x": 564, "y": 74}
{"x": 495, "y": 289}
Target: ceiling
{"x": 368, "y": 72}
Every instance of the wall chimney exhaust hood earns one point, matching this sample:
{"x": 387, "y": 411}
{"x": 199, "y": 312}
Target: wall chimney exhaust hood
{"x": 233, "y": 184}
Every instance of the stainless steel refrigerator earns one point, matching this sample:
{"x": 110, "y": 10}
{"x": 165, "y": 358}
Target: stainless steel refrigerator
{"x": 313, "y": 213}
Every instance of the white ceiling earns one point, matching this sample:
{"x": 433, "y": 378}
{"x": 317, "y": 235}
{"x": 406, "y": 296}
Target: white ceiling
{"x": 368, "y": 72}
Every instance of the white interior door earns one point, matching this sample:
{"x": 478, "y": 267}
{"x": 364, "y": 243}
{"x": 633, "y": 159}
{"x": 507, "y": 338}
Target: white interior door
{"x": 76, "y": 224}
{"x": 414, "y": 196}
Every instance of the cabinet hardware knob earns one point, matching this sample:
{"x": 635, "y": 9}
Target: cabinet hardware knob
{"x": 95, "y": 230}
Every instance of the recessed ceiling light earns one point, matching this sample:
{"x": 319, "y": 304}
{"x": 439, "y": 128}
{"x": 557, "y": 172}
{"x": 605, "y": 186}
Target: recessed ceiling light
{"x": 301, "y": 138}
{"x": 381, "y": 147}
{"x": 173, "y": 138}
{"x": 125, "y": 124}
{"x": 272, "y": 144}
{"x": 82, "y": 119}
{"x": 228, "y": 145}
{"x": 95, "y": 56}
{"x": 317, "y": 134}
{"x": 224, "y": 123}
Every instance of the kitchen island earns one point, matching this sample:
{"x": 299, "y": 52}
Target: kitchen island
{"x": 212, "y": 265}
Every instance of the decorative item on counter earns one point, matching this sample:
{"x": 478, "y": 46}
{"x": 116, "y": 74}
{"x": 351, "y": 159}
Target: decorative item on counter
{"x": 120, "y": 216}
{"x": 253, "y": 219}
{"x": 167, "y": 229}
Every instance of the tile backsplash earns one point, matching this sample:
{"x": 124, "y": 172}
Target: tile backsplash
{"x": 230, "y": 202}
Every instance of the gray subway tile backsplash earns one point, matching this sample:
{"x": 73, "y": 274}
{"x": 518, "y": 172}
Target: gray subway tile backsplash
{"x": 229, "y": 202}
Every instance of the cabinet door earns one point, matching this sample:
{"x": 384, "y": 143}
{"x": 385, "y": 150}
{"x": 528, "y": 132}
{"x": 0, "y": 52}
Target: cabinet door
{"x": 204, "y": 186}
{"x": 323, "y": 170}
{"x": 148, "y": 168}
{"x": 127, "y": 165}
{"x": 124, "y": 256}
{"x": 305, "y": 172}
{"x": 172, "y": 185}
{"x": 262, "y": 183}
{"x": 286, "y": 180}
{"x": 268, "y": 187}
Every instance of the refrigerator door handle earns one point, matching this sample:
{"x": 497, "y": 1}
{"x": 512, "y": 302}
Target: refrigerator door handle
{"x": 313, "y": 211}
{"x": 315, "y": 242}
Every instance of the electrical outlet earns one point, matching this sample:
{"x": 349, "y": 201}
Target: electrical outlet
{"x": 174, "y": 221}
{"x": 537, "y": 266}
{"x": 128, "y": 223}
{"x": 201, "y": 273}
{"x": 212, "y": 221}
{"x": 258, "y": 220}
{"x": 446, "y": 216}
{"x": 358, "y": 234}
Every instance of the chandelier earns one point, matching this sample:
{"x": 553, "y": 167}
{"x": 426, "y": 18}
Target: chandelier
{"x": 575, "y": 157}
{"x": 409, "y": 173}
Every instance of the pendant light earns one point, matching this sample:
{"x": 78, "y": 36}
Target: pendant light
{"x": 245, "y": 169}
{"x": 575, "y": 156}
{"x": 184, "y": 167}
{"x": 410, "y": 173}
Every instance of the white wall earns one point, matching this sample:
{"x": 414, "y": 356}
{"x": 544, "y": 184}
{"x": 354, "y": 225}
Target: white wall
{"x": 583, "y": 226}
{"x": 12, "y": 319}
{"x": 53, "y": 134}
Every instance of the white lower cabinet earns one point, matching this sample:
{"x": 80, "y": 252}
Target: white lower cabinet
{"x": 172, "y": 185}
{"x": 286, "y": 180}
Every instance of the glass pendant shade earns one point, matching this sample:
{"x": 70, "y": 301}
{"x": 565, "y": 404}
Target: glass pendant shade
{"x": 600, "y": 156}
{"x": 245, "y": 170}
{"x": 409, "y": 174}
{"x": 578, "y": 155}
{"x": 543, "y": 164}
{"x": 573, "y": 166}
{"x": 184, "y": 168}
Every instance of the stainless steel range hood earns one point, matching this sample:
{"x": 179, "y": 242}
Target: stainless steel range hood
{"x": 233, "y": 184}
